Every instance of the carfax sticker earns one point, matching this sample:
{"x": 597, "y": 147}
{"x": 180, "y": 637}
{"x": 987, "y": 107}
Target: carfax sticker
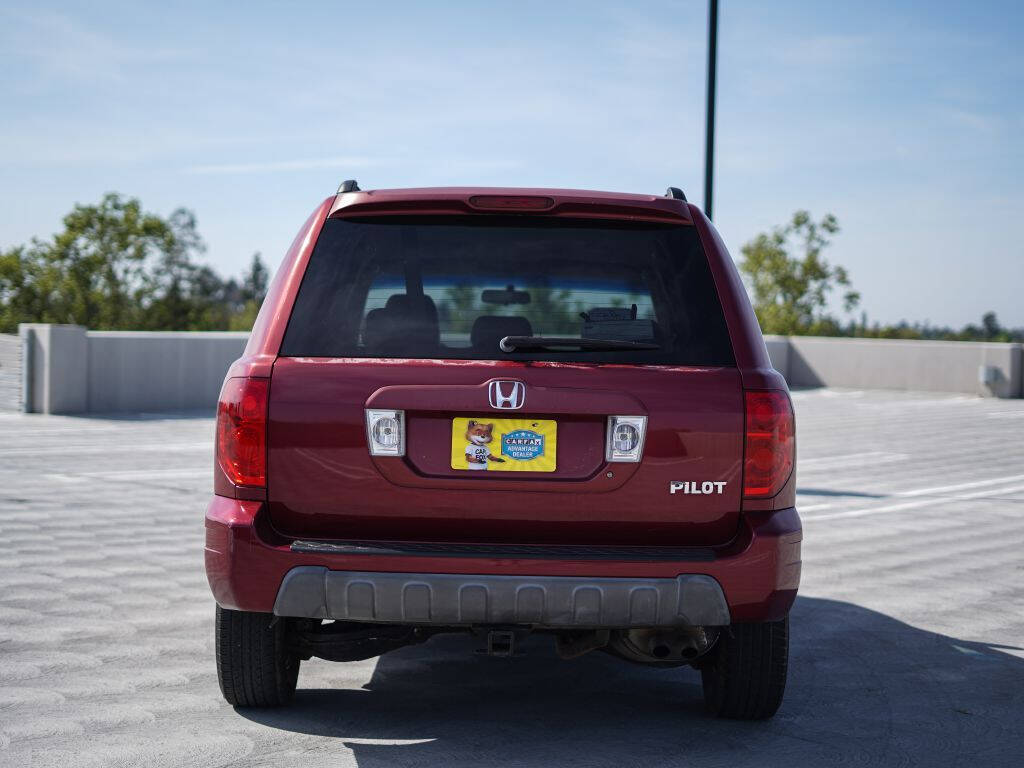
{"x": 504, "y": 445}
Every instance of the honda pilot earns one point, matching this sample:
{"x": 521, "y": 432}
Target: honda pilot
{"x": 505, "y": 412}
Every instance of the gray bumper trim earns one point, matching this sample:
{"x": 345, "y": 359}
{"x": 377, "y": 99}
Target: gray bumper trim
{"x": 459, "y": 599}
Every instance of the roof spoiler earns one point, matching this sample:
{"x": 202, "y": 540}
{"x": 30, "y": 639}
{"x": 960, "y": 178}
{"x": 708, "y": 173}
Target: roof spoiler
{"x": 568, "y": 203}
{"x": 351, "y": 185}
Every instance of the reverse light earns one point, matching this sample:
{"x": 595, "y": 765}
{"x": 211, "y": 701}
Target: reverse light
{"x": 385, "y": 432}
{"x": 770, "y": 443}
{"x": 625, "y": 439}
{"x": 242, "y": 431}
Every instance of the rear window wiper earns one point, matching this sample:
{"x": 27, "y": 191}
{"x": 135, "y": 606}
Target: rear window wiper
{"x": 512, "y": 343}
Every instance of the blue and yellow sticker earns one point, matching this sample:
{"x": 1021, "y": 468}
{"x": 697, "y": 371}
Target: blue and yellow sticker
{"x": 483, "y": 443}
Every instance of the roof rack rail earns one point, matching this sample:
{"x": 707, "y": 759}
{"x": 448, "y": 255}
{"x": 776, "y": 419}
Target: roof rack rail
{"x": 675, "y": 193}
{"x": 349, "y": 185}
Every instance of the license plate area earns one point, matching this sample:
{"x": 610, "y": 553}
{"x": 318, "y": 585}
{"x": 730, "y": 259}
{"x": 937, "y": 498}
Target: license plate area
{"x": 487, "y": 444}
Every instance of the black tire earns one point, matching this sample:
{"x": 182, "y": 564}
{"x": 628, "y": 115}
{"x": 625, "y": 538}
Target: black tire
{"x": 746, "y": 676}
{"x": 254, "y": 666}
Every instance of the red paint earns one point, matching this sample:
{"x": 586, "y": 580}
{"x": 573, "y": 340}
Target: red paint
{"x": 318, "y": 454}
{"x": 322, "y": 482}
{"x": 759, "y": 570}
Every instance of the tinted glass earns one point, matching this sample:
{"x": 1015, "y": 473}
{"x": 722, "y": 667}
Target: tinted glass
{"x": 453, "y": 287}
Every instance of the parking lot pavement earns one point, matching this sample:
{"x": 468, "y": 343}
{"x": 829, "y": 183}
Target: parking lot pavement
{"x": 907, "y": 637}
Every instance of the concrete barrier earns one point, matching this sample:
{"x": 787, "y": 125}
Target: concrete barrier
{"x": 139, "y": 371}
{"x": 68, "y": 369}
{"x": 778, "y": 351}
{"x": 988, "y": 370}
{"x": 72, "y": 370}
{"x": 56, "y": 368}
{"x": 10, "y": 372}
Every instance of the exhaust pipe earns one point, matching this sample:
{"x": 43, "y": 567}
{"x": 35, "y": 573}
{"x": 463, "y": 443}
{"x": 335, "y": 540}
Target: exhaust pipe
{"x": 663, "y": 647}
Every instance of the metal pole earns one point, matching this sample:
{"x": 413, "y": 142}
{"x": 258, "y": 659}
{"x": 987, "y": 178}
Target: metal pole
{"x": 709, "y": 145}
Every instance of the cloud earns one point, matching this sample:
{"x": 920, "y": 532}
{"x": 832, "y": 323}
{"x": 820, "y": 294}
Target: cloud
{"x": 310, "y": 164}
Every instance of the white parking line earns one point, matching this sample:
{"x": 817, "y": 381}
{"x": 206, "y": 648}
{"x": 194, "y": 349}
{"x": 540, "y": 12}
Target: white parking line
{"x": 919, "y": 491}
{"x": 863, "y": 512}
{"x": 812, "y": 507}
{"x": 961, "y": 486}
{"x": 92, "y": 450}
{"x": 842, "y": 461}
{"x": 129, "y": 474}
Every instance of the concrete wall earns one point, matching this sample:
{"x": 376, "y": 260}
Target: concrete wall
{"x": 141, "y": 371}
{"x": 10, "y": 372}
{"x": 778, "y": 351}
{"x": 72, "y": 370}
{"x": 988, "y": 370}
{"x": 57, "y": 367}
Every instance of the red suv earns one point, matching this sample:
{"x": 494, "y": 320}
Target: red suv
{"x": 503, "y": 412}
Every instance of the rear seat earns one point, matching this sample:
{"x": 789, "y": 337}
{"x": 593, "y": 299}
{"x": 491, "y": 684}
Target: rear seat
{"x": 488, "y": 330}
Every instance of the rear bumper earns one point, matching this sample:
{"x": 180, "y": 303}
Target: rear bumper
{"x": 753, "y": 578}
{"x": 450, "y": 599}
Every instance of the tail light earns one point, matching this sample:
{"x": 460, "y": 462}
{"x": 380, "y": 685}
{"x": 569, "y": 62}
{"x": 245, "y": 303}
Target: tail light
{"x": 770, "y": 444}
{"x": 242, "y": 431}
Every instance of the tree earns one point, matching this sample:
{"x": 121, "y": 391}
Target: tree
{"x": 458, "y": 308}
{"x": 791, "y": 291}
{"x": 112, "y": 266}
{"x": 23, "y": 288}
{"x": 181, "y": 294}
{"x": 990, "y": 326}
{"x": 254, "y": 284}
{"x": 250, "y": 294}
{"x": 115, "y": 266}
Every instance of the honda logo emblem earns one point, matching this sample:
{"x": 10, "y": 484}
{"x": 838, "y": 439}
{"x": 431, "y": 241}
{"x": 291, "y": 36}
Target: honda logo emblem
{"x": 506, "y": 394}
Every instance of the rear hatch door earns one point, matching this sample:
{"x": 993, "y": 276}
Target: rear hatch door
{"x": 418, "y": 315}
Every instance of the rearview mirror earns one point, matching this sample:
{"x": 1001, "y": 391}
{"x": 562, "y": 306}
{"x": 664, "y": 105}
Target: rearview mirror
{"x": 509, "y": 295}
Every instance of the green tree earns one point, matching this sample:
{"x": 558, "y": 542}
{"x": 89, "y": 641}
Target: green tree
{"x": 24, "y": 288}
{"x": 458, "y": 309}
{"x": 181, "y": 294}
{"x": 251, "y": 294}
{"x": 254, "y": 284}
{"x": 551, "y": 311}
{"x": 990, "y": 327}
{"x": 791, "y": 282}
{"x": 113, "y": 266}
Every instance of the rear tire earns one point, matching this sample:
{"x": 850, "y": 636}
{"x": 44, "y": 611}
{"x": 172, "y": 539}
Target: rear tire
{"x": 746, "y": 677}
{"x": 254, "y": 666}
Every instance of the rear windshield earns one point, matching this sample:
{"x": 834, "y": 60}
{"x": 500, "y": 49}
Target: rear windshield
{"x": 455, "y": 287}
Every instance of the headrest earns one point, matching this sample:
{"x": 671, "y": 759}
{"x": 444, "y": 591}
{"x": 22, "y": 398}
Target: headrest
{"x": 405, "y": 327}
{"x": 422, "y": 306}
{"x": 488, "y": 330}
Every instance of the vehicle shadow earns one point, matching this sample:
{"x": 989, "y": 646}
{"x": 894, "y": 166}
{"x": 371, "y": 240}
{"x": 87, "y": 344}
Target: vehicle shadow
{"x": 863, "y": 688}
{"x": 840, "y": 494}
{"x": 190, "y": 414}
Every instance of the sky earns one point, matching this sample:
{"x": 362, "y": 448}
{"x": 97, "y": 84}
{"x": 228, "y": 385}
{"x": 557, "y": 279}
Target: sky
{"x": 903, "y": 119}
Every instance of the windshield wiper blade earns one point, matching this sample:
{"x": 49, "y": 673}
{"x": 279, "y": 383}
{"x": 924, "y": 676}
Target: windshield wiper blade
{"x": 512, "y": 343}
